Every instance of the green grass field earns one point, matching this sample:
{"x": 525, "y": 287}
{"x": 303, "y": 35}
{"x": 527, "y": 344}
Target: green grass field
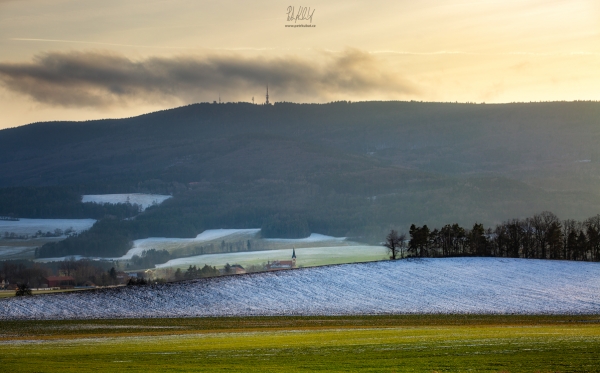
{"x": 307, "y": 257}
{"x": 433, "y": 343}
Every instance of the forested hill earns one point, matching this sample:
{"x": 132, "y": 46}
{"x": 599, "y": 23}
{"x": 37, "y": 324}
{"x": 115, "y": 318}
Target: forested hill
{"x": 338, "y": 168}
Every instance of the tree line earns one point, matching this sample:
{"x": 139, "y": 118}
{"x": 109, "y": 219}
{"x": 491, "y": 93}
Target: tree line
{"x": 108, "y": 237}
{"x": 194, "y": 272}
{"x": 542, "y": 236}
{"x": 34, "y": 274}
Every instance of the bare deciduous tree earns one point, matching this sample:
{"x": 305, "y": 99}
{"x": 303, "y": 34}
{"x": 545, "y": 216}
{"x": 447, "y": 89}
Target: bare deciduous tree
{"x": 395, "y": 244}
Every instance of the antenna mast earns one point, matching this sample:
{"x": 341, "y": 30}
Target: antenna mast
{"x": 267, "y": 102}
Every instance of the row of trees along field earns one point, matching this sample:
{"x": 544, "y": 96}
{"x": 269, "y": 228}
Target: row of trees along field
{"x": 543, "y": 236}
{"x": 34, "y": 274}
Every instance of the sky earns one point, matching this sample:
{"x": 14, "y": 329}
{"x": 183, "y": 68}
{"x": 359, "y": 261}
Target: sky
{"x": 81, "y": 60}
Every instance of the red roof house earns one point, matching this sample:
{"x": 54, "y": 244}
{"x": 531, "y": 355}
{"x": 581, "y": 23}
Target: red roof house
{"x": 63, "y": 282}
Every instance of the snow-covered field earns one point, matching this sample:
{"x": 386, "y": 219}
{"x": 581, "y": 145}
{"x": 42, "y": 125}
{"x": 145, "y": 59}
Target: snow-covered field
{"x": 306, "y": 257}
{"x": 144, "y": 200}
{"x": 23, "y": 249}
{"x": 31, "y": 226}
{"x": 349, "y": 249}
{"x": 457, "y": 285}
{"x": 314, "y": 237}
{"x": 63, "y": 258}
{"x": 214, "y": 234}
{"x": 12, "y": 252}
{"x": 169, "y": 244}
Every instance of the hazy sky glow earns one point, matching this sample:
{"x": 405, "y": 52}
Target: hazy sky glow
{"x": 75, "y": 60}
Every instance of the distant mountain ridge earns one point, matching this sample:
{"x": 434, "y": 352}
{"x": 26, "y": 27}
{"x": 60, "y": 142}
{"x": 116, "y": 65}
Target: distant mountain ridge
{"x": 346, "y": 168}
{"x": 463, "y": 138}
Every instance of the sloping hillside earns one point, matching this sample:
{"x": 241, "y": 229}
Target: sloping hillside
{"x": 341, "y": 169}
{"x": 186, "y": 144}
{"x": 206, "y": 141}
{"x": 461, "y": 285}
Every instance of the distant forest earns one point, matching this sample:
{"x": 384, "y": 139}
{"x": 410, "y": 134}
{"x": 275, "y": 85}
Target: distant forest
{"x": 342, "y": 169}
{"x": 57, "y": 203}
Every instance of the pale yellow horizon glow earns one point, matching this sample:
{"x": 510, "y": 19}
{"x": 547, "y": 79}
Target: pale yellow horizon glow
{"x": 438, "y": 50}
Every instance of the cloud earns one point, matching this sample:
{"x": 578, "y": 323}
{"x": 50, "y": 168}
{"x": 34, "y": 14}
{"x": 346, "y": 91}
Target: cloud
{"x": 102, "y": 79}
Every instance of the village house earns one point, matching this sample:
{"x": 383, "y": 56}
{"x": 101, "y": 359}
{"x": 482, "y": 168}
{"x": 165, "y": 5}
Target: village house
{"x": 63, "y": 282}
{"x": 237, "y": 269}
{"x": 123, "y": 277}
{"x": 233, "y": 269}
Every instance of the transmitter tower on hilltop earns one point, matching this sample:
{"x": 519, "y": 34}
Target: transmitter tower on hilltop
{"x": 267, "y": 101}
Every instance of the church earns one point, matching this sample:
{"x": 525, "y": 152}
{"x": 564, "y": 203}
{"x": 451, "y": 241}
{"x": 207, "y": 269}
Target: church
{"x": 278, "y": 265}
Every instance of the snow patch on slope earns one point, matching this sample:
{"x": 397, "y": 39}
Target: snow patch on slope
{"x": 144, "y": 200}
{"x": 31, "y": 226}
{"x": 314, "y": 237}
{"x": 456, "y": 285}
{"x": 159, "y": 242}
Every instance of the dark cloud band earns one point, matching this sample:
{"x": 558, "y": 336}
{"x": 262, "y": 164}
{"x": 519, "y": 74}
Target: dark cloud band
{"x": 105, "y": 79}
